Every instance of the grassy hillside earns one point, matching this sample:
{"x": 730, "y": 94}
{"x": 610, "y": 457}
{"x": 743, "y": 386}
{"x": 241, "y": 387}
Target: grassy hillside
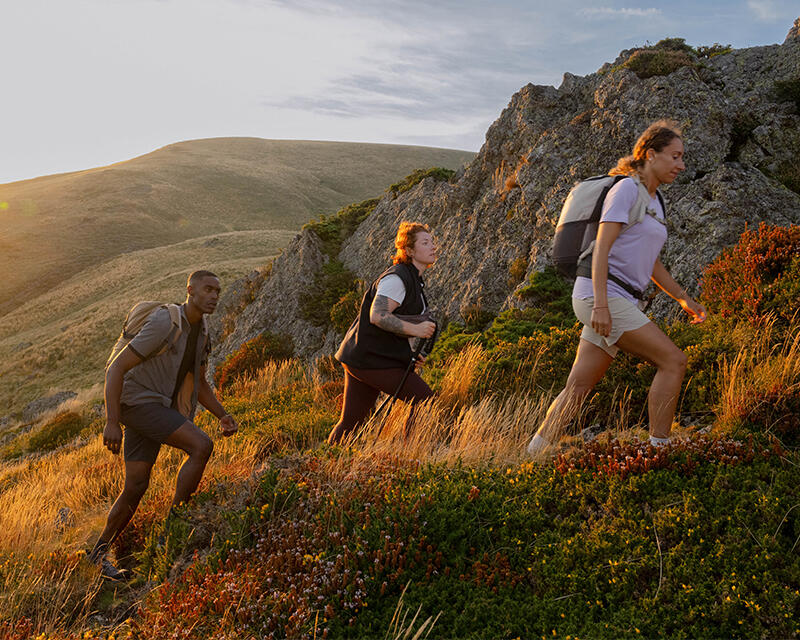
{"x": 53, "y": 227}
{"x": 61, "y": 339}
{"x": 76, "y": 248}
{"x": 288, "y": 537}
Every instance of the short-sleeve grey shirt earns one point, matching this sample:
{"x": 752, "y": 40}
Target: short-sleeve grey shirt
{"x": 153, "y": 380}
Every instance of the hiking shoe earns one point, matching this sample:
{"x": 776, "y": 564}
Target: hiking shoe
{"x": 590, "y": 433}
{"x": 110, "y": 572}
{"x": 538, "y": 446}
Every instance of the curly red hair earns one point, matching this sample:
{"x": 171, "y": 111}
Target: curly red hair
{"x": 405, "y": 239}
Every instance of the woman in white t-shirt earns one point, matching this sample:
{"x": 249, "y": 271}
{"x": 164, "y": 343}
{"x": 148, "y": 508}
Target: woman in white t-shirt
{"x": 376, "y": 350}
{"x": 624, "y": 260}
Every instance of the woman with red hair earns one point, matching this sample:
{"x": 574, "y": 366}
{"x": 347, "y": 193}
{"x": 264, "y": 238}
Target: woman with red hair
{"x": 376, "y": 349}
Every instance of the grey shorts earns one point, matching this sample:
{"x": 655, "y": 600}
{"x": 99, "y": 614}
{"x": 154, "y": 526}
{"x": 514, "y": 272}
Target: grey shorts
{"x": 147, "y": 426}
{"x": 625, "y": 316}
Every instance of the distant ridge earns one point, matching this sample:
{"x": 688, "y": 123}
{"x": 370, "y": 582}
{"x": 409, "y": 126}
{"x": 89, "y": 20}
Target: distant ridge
{"x": 76, "y": 248}
{"x": 54, "y": 226}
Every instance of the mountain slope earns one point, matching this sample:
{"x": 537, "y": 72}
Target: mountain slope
{"x": 54, "y": 226}
{"x": 77, "y": 249}
{"x": 495, "y": 220}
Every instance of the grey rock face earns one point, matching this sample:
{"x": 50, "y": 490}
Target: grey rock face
{"x": 505, "y": 204}
{"x": 277, "y": 302}
{"x": 40, "y": 405}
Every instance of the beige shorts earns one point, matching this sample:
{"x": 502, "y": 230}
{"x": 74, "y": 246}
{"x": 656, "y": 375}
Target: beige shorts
{"x": 625, "y": 316}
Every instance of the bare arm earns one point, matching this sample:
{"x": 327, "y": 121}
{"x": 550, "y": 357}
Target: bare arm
{"x": 668, "y": 285}
{"x": 607, "y": 234}
{"x": 380, "y": 314}
{"x": 206, "y": 397}
{"x": 124, "y": 362}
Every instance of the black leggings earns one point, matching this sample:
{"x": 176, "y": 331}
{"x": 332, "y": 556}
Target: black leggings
{"x": 361, "y": 389}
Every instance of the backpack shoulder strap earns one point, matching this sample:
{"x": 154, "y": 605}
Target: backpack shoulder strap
{"x": 663, "y": 203}
{"x": 175, "y": 330}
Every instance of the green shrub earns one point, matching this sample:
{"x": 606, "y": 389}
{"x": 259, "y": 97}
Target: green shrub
{"x": 334, "y": 230}
{"x": 516, "y": 271}
{"x": 534, "y": 363}
{"x": 418, "y": 175}
{"x": 788, "y": 174}
{"x": 757, "y": 277}
{"x": 707, "y": 346}
{"x": 741, "y": 131}
{"x": 713, "y": 50}
{"x": 252, "y": 356}
{"x": 647, "y": 63}
{"x": 346, "y": 309}
{"x": 331, "y": 284}
{"x": 48, "y": 436}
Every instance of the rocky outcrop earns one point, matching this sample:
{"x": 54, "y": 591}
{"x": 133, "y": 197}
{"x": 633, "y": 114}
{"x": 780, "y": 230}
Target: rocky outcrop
{"x": 276, "y": 304}
{"x": 740, "y": 136}
{"x": 33, "y": 409}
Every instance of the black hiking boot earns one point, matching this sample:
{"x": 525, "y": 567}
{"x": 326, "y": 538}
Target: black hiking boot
{"x": 110, "y": 572}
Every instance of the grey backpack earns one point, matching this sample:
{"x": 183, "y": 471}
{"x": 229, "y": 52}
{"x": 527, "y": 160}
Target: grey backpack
{"x": 577, "y": 228}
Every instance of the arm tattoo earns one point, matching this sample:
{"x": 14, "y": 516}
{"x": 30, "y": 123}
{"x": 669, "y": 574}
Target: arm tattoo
{"x": 386, "y": 320}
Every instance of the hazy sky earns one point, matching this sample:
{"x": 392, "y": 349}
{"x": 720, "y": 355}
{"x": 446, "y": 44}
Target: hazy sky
{"x": 91, "y": 82}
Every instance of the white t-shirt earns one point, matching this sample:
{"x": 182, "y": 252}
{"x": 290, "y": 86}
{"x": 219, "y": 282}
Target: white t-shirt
{"x": 635, "y": 251}
{"x": 392, "y": 286}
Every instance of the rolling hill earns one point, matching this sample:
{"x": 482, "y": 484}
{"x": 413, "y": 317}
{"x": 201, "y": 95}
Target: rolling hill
{"x": 77, "y": 248}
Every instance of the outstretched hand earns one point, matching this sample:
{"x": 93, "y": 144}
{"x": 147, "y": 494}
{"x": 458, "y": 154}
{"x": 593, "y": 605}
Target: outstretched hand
{"x": 228, "y": 425}
{"x": 695, "y": 310}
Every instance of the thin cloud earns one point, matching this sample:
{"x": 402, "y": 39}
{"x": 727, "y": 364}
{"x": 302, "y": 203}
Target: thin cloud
{"x": 765, "y": 10}
{"x": 625, "y": 12}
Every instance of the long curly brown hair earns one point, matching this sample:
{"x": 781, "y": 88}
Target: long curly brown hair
{"x": 405, "y": 239}
{"x": 657, "y": 136}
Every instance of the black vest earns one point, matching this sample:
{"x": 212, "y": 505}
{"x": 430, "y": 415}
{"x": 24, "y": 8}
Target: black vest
{"x": 367, "y": 346}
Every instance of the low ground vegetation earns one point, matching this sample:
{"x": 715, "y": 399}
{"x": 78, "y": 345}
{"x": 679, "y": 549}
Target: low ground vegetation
{"x": 669, "y": 55}
{"x": 290, "y": 538}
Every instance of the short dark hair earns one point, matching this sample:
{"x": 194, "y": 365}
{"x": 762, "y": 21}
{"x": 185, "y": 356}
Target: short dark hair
{"x": 195, "y": 276}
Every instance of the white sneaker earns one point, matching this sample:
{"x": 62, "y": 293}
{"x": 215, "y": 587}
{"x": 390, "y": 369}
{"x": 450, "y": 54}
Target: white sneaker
{"x": 537, "y": 446}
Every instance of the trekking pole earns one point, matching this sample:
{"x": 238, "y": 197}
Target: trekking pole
{"x": 393, "y": 397}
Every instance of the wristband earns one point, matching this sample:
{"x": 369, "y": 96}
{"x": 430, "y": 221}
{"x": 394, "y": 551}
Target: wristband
{"x": 595, "y": 308}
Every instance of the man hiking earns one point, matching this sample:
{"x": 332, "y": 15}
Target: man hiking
{"x": 152, "y": 386}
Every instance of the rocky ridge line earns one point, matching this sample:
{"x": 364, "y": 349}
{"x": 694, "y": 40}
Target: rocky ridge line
{"x": 504, "y": 205}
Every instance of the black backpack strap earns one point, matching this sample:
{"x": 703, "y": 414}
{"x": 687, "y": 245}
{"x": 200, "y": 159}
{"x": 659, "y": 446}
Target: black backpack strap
{"x": 585, "y": 270}
{"x": 663, "y": 204}
{"x": 598, "y": 207}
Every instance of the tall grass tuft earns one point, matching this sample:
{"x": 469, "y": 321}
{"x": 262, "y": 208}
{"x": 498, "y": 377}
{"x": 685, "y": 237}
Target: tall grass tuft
{"x": 761, "y": 385}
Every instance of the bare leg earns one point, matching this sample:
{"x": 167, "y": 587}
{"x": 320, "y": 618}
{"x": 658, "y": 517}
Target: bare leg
{"x": 199, "y": 446}
{"x": 591, "y": 364}
{"x": 652, "y": 344}
{"x": 137, "y": 479}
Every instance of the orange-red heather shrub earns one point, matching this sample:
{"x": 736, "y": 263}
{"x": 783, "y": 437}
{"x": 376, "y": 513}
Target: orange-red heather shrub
{"x": 757, "y": 276}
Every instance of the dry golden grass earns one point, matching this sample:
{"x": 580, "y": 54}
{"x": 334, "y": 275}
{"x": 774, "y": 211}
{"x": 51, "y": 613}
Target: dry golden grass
{"x": 271, "y": 377}
{"x": 762, "y": 366}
